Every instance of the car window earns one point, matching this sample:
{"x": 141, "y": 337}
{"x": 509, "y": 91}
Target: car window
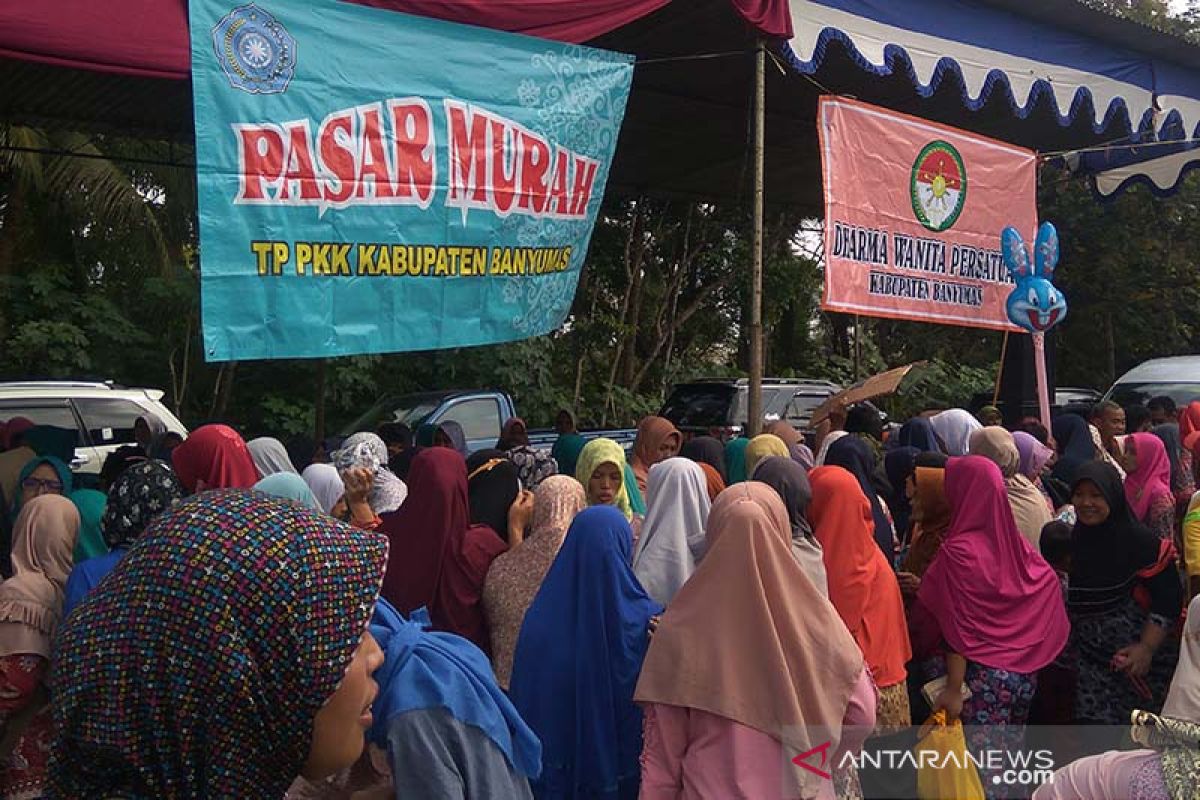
{"x": 802, "y": 406}
{"x": 110, "y": 420}
{"x": 700, "y": 405}
{"x": 46, "y": 413}
{"x": 479, "y": 418}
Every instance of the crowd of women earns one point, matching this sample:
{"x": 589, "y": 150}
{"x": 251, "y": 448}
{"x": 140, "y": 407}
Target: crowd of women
{"x": 226, "y": 619}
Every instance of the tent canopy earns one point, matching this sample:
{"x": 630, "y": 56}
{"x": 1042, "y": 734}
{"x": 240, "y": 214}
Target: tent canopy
{"x": 1133, "y": 84}
{"x": 1055, "y": 75}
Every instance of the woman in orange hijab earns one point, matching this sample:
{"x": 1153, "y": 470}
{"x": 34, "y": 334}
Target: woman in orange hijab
{"x": 862, "y": 587}
{"x": 931, "y": 515}
{"x": 713, "y": 480}
{"x": 657, "y": 440}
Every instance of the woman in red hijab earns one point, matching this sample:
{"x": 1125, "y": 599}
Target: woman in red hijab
{"x": 1189, "y": 436}
{"x": 657, "y": 440}
{"x": 214, "y": 457}
{"x": 437, "y": 558}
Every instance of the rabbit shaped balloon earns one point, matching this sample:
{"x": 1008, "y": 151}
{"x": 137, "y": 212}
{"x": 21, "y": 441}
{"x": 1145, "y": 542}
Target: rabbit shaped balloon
{"x": 1035, "y": 304}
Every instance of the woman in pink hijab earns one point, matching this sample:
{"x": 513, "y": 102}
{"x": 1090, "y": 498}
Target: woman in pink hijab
{"x": 1035, "y": 458}
{"x": 750, "y": 666}
{"x": 997, "y": 603}
{"x": 1148, "y": 484}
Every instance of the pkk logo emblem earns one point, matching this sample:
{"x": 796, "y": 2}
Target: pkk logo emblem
{"x": 938, "y": 186}
{"x": 255, "y": 51}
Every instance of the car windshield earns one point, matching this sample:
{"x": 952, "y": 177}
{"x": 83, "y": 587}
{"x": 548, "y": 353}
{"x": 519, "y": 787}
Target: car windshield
{"x": 410, "y": 409}
{"x": 699, "y": 405}
{"x": 1128, "y": 394}
{"x": 802, "y": 406}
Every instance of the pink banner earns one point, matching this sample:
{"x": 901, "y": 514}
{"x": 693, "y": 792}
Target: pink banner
{"x": 913, "y": 214}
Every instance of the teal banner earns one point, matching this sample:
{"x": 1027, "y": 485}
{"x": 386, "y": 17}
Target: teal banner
{"x": 376, "y": 182}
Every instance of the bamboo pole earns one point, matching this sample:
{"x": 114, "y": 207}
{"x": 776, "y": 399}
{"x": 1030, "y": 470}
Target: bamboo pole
{"x": 755, "y": 411}
{"x": 1000, "y": 372}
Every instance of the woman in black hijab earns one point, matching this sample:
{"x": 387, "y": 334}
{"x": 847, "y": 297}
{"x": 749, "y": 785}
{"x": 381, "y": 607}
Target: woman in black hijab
{"x": 493, "y": 486}
{"x": 855, "y": 456}
{"x": 1125, "y": 655}
{"x": 790, "y": 482}
{"x": 706, "y": 450}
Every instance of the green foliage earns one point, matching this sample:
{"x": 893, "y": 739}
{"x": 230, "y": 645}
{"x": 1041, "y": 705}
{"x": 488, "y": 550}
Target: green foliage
{"x": 939, "y": 384}
{"x": 286, "y": 416}
{"x": 98, "y": 278}
{"x": 57, "y": 349}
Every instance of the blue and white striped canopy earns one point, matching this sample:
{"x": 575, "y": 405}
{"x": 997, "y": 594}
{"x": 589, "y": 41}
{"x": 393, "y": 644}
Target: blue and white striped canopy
{"x": 1133, "y": 83}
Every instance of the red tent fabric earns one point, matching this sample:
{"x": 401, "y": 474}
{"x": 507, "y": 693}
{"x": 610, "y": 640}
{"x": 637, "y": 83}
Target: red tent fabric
{"x": 149, "y": 38}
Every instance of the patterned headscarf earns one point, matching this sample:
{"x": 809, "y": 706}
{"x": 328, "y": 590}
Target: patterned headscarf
{"x": 368, "y": 450}
{"x": 143, "y": 491}
{"x": 244, "y": 613}
{"x": 515, "y": 577}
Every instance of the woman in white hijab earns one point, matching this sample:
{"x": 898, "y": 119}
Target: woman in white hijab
{"x": 826, "y": 443}
{"x": 1170, "y": 766}
{"x": 954, "y": 427}
{"x": 326, "y": 485}
{"x": 270, "y": 456}
{"x": 672, "y": 540}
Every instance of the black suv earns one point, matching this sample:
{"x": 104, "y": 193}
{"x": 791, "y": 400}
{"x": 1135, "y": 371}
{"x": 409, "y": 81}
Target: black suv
{"x": 718, "y": 406}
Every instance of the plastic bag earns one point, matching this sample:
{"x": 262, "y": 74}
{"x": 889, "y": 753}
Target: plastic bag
{"x": 949, "y": 774}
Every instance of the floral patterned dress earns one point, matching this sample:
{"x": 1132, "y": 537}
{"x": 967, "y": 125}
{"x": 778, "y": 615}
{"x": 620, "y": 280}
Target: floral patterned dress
{"x": 23, "y": 772}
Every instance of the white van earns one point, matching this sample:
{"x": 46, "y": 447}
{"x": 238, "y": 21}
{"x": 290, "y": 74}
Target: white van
{"x": 101, "y": 414}
{"x": 1177, "y": 378}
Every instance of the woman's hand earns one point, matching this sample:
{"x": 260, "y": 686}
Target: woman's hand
{"x": 951, "y": 701}
{"x": 519, "y": 515}
{"x": 358, "y": 481}
{"x": 909, "y": 583}
{"x": 1134, "y": 659}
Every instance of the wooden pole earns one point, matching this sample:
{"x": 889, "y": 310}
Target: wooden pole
{"x": 755, "y": 411}
{"x": 1000, "y": 372}
{"x": 319, "y": 403}
{"x": 857, "y": 347}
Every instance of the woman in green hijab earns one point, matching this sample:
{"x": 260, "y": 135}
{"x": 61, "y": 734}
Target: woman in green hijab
{"x": 569, "y": 443}
{"x": 89, "y": 543}
{"x": 735, "y": 460}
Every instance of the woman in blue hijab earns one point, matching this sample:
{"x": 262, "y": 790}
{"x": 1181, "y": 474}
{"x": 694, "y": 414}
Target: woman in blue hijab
{"x": 918, "y": 433}
{"x": 288, "y": 486}
{"x": 900, "y": 464}
{"x": 1075, "y": 446}
{"x": 577, "y": 663}
{"x": 447, "y": 728}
